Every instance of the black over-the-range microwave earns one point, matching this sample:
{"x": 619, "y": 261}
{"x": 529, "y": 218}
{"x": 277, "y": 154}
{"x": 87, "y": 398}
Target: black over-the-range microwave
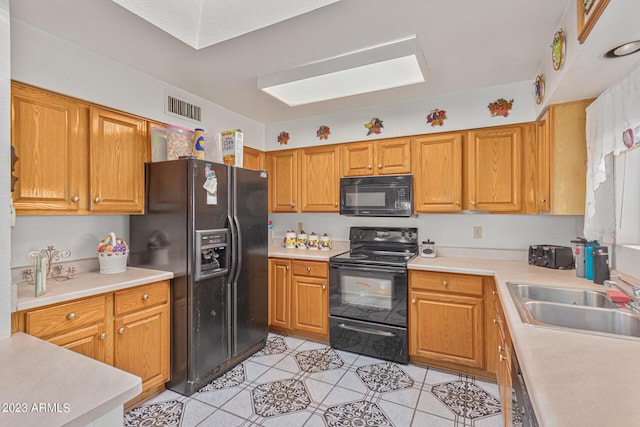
{"x": 389, "y": 195}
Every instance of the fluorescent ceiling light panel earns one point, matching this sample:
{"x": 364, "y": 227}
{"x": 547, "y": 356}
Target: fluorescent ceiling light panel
{"x": 382, "y": 67}
{"x": 202, "y": 23}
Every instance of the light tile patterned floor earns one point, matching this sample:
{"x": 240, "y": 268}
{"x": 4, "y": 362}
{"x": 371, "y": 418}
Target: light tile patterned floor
{"x": 293, "y": 382}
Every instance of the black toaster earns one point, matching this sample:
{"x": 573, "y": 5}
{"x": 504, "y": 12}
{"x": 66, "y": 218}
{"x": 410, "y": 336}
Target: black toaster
{"x": 551, "y": 256}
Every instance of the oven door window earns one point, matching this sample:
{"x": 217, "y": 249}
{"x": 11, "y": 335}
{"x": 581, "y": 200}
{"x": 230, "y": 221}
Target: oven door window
{"x": 367, "y": 293}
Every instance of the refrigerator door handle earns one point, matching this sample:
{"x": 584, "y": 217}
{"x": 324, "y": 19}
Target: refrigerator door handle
{"x": 233, "y": 265}
{"x": 238, "y": 251}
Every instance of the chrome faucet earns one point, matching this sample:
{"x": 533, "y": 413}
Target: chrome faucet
{"x": 634, "y": 304}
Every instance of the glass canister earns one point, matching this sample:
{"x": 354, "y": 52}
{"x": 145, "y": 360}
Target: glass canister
{"x": 179, "y": 142}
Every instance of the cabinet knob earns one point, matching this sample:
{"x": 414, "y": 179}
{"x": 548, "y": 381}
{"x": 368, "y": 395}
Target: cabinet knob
{"x": 413, "y": 301}
{"x": 71, "y": 316}
{"x": 457, "y": 202}
{"x": 121, "y": 330}
{"x": 445, "y": 283}
{"x": 335, "y": 205}
{"x": 286, "y": 267}
{"x": 102, "y": 336}
{"x": 368, "y": 166}
{"x": 293, "y": 204}
{"x": 97, "y": 200}
{"x": 379, "y": 165}
{"x": 75, "y": 198}
{"x": 308, "y": 268}
{"x": 494, "y": 293}
{"x": 542, "y": 200}
{"x": 472, "y": 203}
{"x": 495, "y": 321}
{"x": 324, "y": 287}
{"x": 500, "y": 349}
{"x": 502, "y": 358}
{"x": 145, "y": 297}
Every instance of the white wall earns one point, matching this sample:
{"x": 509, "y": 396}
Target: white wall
{"x": 5, "y": 159}
{"x": 499, "y": 231}
{"x": 466, "y": 110}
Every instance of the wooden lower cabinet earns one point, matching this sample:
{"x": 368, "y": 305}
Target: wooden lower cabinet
{"x": 447, "y": 321}
{"x": 299, "y": 298}
{"x": 503, "y": 355}
{"x": 128, "y": 329}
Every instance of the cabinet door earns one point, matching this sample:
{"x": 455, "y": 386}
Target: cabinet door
{"x": 319, "y": 179}
{"x": 543, "y": 188}
{"x": 447, "y": 327}
{"x": 491, "y": 325}
{"x": 357, "y": 159}
{"x": 142, "y": 345}
{"x": 279, "y": 293}
{"x": 118, "y": 150}
{"x": 437, "y": 169}
{"x": 252, "y": 158}
{"x": 91, "y": 341}
{"x": 394, "y": 156}
{"x": 50, "y": 137}
{"x": 283, "y": 181}
{"x": 310, "y": 305}
{"x": 495, "y": 169}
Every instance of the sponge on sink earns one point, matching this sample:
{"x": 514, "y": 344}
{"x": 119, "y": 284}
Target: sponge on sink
{"x": 618, "y": 296}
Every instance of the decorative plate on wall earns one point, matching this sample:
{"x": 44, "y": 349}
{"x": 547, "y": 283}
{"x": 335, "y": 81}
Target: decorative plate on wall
{"x": 558, "y": 50}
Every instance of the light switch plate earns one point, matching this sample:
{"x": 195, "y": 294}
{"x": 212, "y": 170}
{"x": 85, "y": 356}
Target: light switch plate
{"x": 477, "y": 232}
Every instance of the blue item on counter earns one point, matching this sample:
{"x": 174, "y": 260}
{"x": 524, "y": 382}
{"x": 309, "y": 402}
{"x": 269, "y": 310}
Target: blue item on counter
{"x": 588, "y": 260}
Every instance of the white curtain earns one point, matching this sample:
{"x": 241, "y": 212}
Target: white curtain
{"x": 612, "y": 120}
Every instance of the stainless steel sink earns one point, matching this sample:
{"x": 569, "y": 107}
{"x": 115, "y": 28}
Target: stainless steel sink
{"x": 586, "y": 297}
{"x": 574, "y": 309}
{"x": 585, "y": 318}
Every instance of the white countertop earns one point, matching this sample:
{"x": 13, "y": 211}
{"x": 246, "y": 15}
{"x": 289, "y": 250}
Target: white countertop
{"x": 573, "y": 379}
{"x": 75, "y": 389}
{"x": 277, "y": 250}
{"x": 86, "y": 284}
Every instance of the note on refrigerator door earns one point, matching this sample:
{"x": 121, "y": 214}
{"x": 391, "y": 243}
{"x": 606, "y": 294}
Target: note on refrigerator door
{"x": 211, "y": 185}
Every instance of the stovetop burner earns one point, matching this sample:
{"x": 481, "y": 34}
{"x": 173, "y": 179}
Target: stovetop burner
{"x": 380, "y": 246}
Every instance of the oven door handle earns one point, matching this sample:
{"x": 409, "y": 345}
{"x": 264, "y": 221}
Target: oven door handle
{"x": 366, "y": 330}
{"x": 369, "y": 268}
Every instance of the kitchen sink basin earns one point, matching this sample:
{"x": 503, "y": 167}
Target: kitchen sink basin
{"x": 574, "y": 309}
{"x": 585, "y": 297}
{"x": 585, "y": 318}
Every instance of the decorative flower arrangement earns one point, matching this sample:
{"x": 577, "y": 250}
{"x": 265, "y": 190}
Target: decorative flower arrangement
{"x": 283, "y": 138}
{"x": 500, "y": 107}
{"x": 374, "y": 126}
{"x": 323, "y": 132}
{"x": 437, "y": 117}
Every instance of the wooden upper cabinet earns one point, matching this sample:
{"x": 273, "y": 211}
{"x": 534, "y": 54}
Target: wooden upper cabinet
{"x": 384, "y": 157}
{"x": 495, "y": 169}
{"x": 394, "y": 156}
{"x": 283, "y": 180}
{"x": 319, "y": 179}
{"x": 437, "y": 170}
{"x": 117, "y": 155}
{"x": 253, "y": 159}
{"x": 562, "y": 152}
{"x": 49, "y": 133}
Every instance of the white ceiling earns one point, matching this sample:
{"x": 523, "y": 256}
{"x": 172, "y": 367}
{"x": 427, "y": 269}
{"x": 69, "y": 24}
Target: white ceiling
{"x": 467, "y": 44}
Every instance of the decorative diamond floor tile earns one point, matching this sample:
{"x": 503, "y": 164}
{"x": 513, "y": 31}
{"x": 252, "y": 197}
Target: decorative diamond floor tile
{"x": 466, "y": 399}
{"x": 356, "y": 414}
{"x": 319, "y": 360}
{"x": 280, "y": 397}
{"x": 161, "y": 414}
{"x": 274, "y": 345}
{"x": 383, "y": 377}
{"x": 231, "y": 378}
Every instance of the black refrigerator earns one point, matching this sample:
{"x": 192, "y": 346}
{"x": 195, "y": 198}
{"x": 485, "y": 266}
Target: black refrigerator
{"x": 207, "y": 223}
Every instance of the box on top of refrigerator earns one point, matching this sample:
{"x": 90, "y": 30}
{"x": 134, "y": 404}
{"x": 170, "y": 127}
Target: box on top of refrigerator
{"x": 232, "y": 147}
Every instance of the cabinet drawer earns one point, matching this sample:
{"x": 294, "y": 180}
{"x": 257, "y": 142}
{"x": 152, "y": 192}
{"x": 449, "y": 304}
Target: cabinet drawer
{"x": 141, "y": 297}
{"x": 447, "y": 282}
{"x": 47, "y": 322}
{"x": 310, "y": 268}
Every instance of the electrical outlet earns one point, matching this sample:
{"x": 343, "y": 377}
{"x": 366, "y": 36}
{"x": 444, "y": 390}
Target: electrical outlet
{"x": 477, "y": 232}
{"x": 300, "y": 227}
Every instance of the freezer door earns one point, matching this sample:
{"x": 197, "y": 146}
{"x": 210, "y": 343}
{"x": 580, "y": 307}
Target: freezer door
{"x": 250, "y": 276}
{"x": 210, "y": 211}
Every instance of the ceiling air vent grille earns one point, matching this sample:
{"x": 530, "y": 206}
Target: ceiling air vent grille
{"x": 184, "y": 109}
